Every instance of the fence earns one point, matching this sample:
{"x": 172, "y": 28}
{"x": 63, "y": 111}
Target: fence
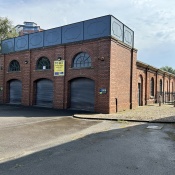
{"x": 86, "y": 30}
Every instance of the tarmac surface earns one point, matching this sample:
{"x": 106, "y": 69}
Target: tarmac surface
{"x": 41, "y": 141}
{"x": 24, "y": 130}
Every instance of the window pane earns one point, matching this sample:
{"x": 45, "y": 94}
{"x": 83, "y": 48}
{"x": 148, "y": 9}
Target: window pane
{"x": 14, "y": 66}
{"x": 43, "y": 63}
{"x": 82, "y": 60}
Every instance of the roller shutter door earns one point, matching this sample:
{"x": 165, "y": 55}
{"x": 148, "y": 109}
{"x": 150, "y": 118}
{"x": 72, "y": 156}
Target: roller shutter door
{"x": 15, "y": 91}
{"x": 82, "y": 94}
{"x": 44, "y": 93}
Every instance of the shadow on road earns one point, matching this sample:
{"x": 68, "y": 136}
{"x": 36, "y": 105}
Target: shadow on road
{"x": 121, "y": 151}
{"x": 31, "y": 111}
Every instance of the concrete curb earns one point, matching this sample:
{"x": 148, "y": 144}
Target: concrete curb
{"x": 117, "y": 119}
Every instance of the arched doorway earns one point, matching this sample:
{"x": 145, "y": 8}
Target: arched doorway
{"x": 15, "y": 90}
{"x": 44, "y": 93}
{"x": 82, "y": 94}
{"x": 140, "y": 91}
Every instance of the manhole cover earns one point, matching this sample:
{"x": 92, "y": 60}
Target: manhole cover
{"x": 154, "y": 127}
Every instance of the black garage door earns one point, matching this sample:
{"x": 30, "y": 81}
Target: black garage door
{"x": 44, "y": 93}
{"x": 82, "y": 94}
{"x": 15, "y": 91}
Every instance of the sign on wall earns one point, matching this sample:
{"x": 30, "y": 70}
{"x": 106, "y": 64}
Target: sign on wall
{"x": 102, "y": 91}
{"x": 59, "y": 68}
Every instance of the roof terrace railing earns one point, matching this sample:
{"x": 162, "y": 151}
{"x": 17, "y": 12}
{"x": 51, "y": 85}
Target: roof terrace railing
{"x": 81, "y": 31}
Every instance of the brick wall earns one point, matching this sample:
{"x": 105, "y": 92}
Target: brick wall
{"x": 148, "y": 72}
{"x": 113, "y": 68}
{"x": 120, "y": 82}
{"x": 99, "y": 72}
{"x": 1, "y": 77}
{"x": 141, "y": 75}
{"x": 28, "y": 75}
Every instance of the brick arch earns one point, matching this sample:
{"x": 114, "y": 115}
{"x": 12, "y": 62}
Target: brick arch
{"x": 38, "y": 79}
{"x": 76, "y": 77}
{"x": 140, "y": 78}
{"x": 11, "y": 65}
{"x": 41, "y": 54}
{"x": 39, "y": 59}
{"x": 75, "y": 52}
{"x": 87, "y": 60}
{"x": 13, "y": 78}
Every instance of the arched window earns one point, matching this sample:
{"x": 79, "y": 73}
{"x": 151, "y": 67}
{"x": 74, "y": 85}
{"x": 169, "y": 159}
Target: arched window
{"x": 152, "y": 87}
{"x": 160, "y": 87}
{"x": 43, "y": 63}
{"x": 14, "y": 66}
{"x": 81, "y": 60}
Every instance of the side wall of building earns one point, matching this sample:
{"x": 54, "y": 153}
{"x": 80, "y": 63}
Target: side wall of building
{"x": 122, "y": 77}
{"x": 163, "y": 84}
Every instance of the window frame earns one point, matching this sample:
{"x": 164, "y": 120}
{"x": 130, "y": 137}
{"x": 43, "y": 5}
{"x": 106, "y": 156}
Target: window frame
{"x": 82, "y": 60}
{"x": 14, "y": 66}
{"x": 41, "y": 63}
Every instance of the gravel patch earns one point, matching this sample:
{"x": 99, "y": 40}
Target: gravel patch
{"x": 149, "y": 113}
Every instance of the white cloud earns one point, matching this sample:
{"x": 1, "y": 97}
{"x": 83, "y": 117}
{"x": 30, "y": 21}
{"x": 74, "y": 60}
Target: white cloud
{"x": 152, "y": 21}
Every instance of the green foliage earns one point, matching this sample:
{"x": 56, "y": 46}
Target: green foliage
{"x": 168, "y": 69}
{"x": 6, "y": 29}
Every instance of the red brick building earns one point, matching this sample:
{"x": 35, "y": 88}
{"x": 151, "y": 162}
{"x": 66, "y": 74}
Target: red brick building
{"x": 101, "y": 72}
{"x": 154, "y": 83}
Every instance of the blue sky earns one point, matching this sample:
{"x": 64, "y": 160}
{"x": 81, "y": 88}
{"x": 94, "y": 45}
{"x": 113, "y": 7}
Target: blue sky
{"x": 153, "y": 21}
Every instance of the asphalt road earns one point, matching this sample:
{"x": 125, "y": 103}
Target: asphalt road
{"x": 67, "y": 146}
{"x": 26, "y": 130}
